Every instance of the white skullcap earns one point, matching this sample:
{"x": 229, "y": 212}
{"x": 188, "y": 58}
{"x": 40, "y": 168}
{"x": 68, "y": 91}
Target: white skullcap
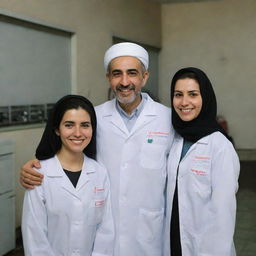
{"x": 126, "y": 49}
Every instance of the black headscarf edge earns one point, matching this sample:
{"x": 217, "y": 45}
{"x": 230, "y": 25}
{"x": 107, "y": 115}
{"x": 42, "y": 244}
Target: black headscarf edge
{"x": 50, "y": 143}
{"x": 206, "y": 122}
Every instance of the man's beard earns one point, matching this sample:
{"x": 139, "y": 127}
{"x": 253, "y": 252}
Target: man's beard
{"x": 129, "y": 99}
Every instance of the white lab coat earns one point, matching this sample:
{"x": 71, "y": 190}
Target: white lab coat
{"x": 207, "y": 184}
{"x": 136, "y": 162}
{"x": 60, "y": 220}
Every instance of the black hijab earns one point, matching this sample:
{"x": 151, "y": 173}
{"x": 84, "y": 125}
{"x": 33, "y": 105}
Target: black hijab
{"x": 205, "y": 123}
{"x": 50, "y": 142}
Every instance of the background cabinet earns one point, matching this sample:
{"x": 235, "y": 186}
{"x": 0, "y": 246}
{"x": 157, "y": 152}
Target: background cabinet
{"x": 7, "y": 196}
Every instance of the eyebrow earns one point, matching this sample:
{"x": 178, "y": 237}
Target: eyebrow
{"x": 194, "y": 91}
{"x": 188, "y": 91}
{"x": 128, "y": 70}
{"x": 72, "y": 122}
{"x": 69, "y": 122}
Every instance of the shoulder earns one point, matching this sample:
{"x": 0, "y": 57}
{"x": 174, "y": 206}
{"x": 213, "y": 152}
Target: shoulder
{"x": 47, "y": 164}
{"x": 96, "y": 166}
{"x": 162, "y": 112}
{"x": 162, "y": 107}
{"x": 219, "y": 140}
{"x": 104, "y": 106}
{"x": 156, "y": 105}
{"x": 218, "y": 144}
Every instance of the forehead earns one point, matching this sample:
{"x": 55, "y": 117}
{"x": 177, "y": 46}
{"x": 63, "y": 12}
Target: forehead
{"x": 72, "y": 114}
{"x": 187, "y": 84}
{"x": 124, "y": 63}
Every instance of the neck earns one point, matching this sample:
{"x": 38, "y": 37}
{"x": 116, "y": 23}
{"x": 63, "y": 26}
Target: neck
{"x": 71, "y": 161}
{"x": 129, "y": 107}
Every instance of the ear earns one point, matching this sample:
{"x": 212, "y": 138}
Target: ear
{"x": 57, "y": 132}
{"x": 108, "y": 77}
{"x": 145, "y": 78}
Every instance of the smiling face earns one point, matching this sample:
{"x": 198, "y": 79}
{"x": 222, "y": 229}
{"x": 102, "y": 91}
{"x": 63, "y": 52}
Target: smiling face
{"x": 187, "y": 100}
{"x": 127, "y": 77}
{"x": 75, "y": 131}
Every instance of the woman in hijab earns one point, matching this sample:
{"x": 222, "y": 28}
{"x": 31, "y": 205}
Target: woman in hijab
{"x": 70, "y": 213}
{"x": 203, "y": 170}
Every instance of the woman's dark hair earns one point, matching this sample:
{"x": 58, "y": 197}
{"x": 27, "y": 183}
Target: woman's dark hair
{"x": 50, "y": 142}
{"x": 187, "y": 74}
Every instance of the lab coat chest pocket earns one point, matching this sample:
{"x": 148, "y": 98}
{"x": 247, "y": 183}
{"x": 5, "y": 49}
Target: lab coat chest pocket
{"x": 153, "y": 153}
{"x": 201, "y": 176}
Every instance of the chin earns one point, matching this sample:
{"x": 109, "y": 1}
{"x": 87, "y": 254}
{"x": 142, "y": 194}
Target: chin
{"x": 186, "y": 119}
{"x": 126, "y": 100}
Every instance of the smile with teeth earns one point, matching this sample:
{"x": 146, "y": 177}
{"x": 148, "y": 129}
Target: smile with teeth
{"x": 76, "y": 141}
{"x": 125, "y": 88}
{"x": 186, "y": 110}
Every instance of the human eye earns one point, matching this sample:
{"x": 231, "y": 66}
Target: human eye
{"x": 86, "y": 124}
{"x": 68, "y": 125}
{"x": 177, "y": 94}
{"x": 132, "y": 72}
{"x": 116, "y": 73}
{"x": 194, "y": 94}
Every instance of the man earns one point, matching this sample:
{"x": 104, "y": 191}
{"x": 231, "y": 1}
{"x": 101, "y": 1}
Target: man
{"x": 134, "y": 135}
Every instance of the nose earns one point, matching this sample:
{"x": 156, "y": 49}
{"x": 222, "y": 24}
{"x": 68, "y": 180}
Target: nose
{"x": 77, "y": 132}
{"x": 184, "y": 101}
{"x": 125, "y": 80}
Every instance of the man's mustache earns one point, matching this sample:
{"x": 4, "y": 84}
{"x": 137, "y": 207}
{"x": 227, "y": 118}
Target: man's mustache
{"x": 125, "y": 87}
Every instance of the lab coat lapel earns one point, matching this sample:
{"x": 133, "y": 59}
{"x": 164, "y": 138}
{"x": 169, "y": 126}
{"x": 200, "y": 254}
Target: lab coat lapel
{"x": 56, "y": 171}
{"x": 147, "y": 115}
{"x": 175, "y": 154}
{"x": 117, "y": 121}
{"x": 112, "y": 115}
{"x": 203, "y": 141}
{"x": 87, "y": 169}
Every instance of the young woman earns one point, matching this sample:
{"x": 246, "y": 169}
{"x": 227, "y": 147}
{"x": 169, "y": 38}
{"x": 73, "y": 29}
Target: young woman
{"x": 203, "y": 170}
{"x": 70, "y": 213}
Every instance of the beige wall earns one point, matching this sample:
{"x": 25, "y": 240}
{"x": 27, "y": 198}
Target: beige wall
{"x": 94, "y": 22}
{"x": 220, "y": 38}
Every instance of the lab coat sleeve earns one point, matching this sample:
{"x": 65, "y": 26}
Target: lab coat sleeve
{"x": 104, "y": 240}
{"x": 34, "y": 224}
{"x": 218, "y": 237}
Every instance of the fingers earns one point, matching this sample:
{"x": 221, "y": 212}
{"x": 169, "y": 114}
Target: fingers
{"x": 26, "y": 185}
{"x": 36, "y": 164}
{"x": 29, "y": 181}
{"x": 30, "y": 177}
{"x": 32, "y": 174}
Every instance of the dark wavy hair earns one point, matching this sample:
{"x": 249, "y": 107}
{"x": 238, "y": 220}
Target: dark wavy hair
{"x": 50, "y": 142}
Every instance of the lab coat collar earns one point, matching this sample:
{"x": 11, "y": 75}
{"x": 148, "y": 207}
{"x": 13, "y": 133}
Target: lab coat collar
{"x": 178, "y": 140}
{"x": 148, "y": 113}
{"x": 204, "y": 140}
{"x": 55, "y": 170}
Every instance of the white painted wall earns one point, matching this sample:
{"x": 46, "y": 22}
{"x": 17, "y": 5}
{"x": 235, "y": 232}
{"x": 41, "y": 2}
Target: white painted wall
{"x": 94, "y": 22}
{"x": 219, "y": 37}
